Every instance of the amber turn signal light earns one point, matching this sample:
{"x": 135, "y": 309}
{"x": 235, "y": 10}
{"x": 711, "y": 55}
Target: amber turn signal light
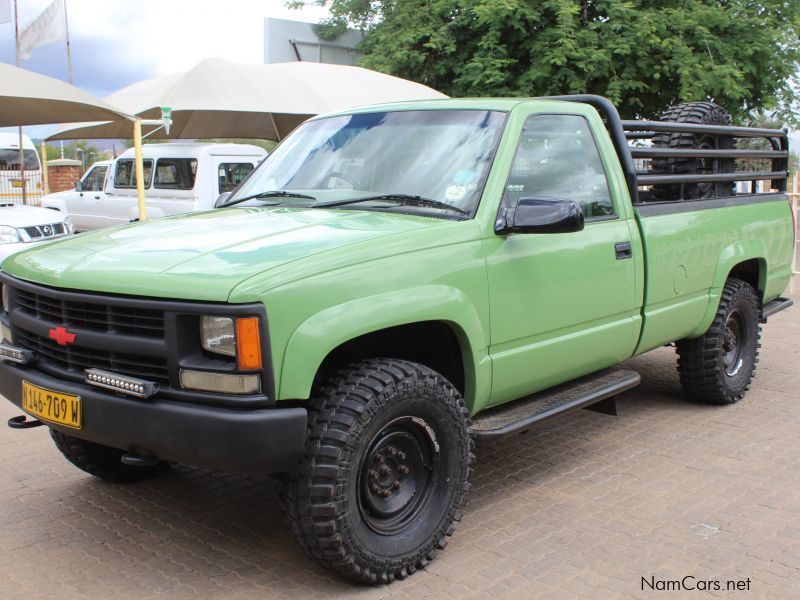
{"x": 248, "y": 344}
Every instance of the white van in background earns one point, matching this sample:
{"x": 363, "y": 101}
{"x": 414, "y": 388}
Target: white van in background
{"x": 10, "y": 179}
{"x": 179, "y": 178}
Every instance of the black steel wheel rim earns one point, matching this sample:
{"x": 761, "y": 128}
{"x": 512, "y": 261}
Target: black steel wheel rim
{"x": 734, "y": 342}
{"x": 397, "y": 475}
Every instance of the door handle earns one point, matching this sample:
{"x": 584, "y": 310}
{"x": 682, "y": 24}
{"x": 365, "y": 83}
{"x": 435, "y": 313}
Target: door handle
{"x": 623, "y": 250}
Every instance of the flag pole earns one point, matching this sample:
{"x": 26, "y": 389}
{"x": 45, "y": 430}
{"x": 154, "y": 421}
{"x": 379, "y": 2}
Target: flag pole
{"x": 69, "y": 70}
{"x": 21, "y": 149}
{"x": 69, "y": 48}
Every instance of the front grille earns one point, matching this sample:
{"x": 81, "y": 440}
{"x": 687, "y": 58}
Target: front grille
{"x": 98, "y": 317}
{"x": 75, "y": 358}
{"x": 40, "y": 232}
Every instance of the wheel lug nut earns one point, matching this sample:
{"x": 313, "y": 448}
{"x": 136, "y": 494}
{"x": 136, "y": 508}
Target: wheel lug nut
{"x": 392, "y": 450}
{"x": 396, "y": 485}
{"x": 403, "y": 469}
{"x": 373, "y": 474}
{"x": 401, "y": 455}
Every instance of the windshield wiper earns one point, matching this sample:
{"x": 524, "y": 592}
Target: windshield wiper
{"x": 402, "y": 199}
{"x": 269, "y": 194}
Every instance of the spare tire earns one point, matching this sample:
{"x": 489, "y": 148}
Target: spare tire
{"x": 700, "y": 113}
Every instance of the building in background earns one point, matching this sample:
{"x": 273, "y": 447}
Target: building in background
{"x": 291, "y": 41}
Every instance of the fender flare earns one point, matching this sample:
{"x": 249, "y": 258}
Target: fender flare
{"x": 732, "y": 255}
{"x": 55, "y": 204}
{"x": 320, "y": 334}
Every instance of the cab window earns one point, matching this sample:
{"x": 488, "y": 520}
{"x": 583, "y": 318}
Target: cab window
{"x": 93, "y": 182}
{"x": 125, "y": 174}
{"x": 557, "y": 158}
{"x": 175, "y": 173}
{"x": 232, "y": 174}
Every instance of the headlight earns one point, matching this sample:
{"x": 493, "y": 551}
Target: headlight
{"x": 68, "y": 226}
{"x": 8, "y": 235}
{"x": 218, "y": 335}
{"x": 240, "y": 337}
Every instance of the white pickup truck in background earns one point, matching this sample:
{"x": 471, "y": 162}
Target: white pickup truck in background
{"x": 179, "y": 178}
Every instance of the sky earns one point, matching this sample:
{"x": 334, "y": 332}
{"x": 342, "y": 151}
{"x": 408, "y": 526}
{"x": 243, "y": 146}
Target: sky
{"x": 118, "y": 42}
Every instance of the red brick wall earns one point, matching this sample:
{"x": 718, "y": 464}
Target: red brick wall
{"x": 63, "y": 177}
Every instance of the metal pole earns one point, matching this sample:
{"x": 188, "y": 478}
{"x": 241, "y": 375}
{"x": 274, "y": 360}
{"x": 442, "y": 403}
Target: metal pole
{"x": 795, "y": 195}
{"x": 45, "y": 174}
{"x": 69, "y": 70}
{"x": 21, "y": 149}
{"x": 139, "y": 167}
{"x": 69, "y": 48}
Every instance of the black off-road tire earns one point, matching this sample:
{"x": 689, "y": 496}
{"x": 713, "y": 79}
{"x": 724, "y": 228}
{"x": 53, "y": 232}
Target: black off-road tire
{"x": 718, "y": 367}
{"x": 103, "y": 461}
{"x": 369, "y": 422}
{"x": 700, "y": 113}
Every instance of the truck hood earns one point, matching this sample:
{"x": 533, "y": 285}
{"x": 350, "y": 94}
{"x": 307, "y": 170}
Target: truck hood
{"x": 201, "y": 256}
{"x": 24, "y": 216}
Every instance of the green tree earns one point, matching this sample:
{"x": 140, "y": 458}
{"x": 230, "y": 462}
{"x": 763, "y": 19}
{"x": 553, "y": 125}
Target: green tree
{"x": 645, "y": 55}
{"x": 89, "y": 153}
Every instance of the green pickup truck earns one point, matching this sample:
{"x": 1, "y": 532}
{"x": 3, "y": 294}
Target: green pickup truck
{"x": 393, "y": 283}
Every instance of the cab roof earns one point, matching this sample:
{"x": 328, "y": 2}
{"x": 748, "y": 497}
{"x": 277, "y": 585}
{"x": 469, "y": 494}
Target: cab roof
{"x": 499, "y": 104}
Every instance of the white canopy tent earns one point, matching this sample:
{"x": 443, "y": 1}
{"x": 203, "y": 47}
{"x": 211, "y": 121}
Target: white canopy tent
{"x": 220, "y": 98}
{"x": 28, "y": 98}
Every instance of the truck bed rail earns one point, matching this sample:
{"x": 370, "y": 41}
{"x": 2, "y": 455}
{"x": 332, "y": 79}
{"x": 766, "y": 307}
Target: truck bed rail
{"x": 719, "y": 164}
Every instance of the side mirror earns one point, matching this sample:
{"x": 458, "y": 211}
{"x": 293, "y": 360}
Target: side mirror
{"x": 79, "y": 186}
{"x": 222, "y": 199}
{"x": 539, "y": 214}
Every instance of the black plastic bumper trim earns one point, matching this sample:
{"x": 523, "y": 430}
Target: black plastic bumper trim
{"x": 263, "y": 441}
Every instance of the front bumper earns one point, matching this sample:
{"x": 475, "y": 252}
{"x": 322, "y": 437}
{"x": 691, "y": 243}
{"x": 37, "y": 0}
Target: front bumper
{"x": 255, "y": 441}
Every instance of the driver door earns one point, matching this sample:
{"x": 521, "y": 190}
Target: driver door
{"x": 86, "y": 207}
{"x": 562, "y": 304}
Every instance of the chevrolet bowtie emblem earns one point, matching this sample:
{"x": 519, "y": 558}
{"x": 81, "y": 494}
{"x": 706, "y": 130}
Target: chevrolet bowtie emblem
{"x": 62, "y": 336}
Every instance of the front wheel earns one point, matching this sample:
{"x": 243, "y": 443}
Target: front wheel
{"x": 717, "y": 367}
{"x": 384, "y": 472}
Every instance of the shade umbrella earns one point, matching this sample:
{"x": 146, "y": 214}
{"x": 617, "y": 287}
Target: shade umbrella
{"x": 28, "y": 98}
{"x": 221, "y": 98}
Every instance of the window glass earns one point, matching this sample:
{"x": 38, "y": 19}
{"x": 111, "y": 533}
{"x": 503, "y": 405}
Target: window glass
{"x": 9, "y": 159}
{"x": 441, "y": 155}
{"x": 93, "y": 182}
{"x": 557, "y": 158}
{"x": 125, "y": 175}
{"x": 232, "y": 174}
{"x": 175, "y": 173}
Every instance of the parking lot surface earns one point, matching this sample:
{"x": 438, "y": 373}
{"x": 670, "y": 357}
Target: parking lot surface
{"x": 587, "y": 506}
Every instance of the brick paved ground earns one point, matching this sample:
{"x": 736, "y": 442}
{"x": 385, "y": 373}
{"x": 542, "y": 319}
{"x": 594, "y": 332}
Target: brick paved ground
{"x": 584, "y": 507}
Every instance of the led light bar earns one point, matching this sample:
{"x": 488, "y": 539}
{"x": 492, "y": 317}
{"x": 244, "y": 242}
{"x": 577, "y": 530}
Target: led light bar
{"x": 121, "y": 383}
{"x": 14, "y": 354}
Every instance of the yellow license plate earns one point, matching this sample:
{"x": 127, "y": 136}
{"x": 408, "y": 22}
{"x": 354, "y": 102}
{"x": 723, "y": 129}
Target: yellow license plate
{"x": 64, "y": 409}
{"x": 17, "y": 183}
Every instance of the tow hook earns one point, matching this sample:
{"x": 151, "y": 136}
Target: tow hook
{"x": 139, "y": 460}
{"x": 22, "y": 422}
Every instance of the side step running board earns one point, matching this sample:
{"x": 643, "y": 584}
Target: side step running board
{"x": 775, "y": 306}
{"x": 528, "y": 412}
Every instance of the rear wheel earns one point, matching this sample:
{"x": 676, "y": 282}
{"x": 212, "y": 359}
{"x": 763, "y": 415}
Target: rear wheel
{"x": 103, "y": 461}
{"x": 718, "y": 367}
{"x": 384, "y": 472}
{"x": 698, "y": 113}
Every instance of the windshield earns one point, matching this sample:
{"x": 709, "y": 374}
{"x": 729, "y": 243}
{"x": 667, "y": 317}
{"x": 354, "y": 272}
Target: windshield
{"x": 437, "y": 155}
{"x": 9, "y": 159}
